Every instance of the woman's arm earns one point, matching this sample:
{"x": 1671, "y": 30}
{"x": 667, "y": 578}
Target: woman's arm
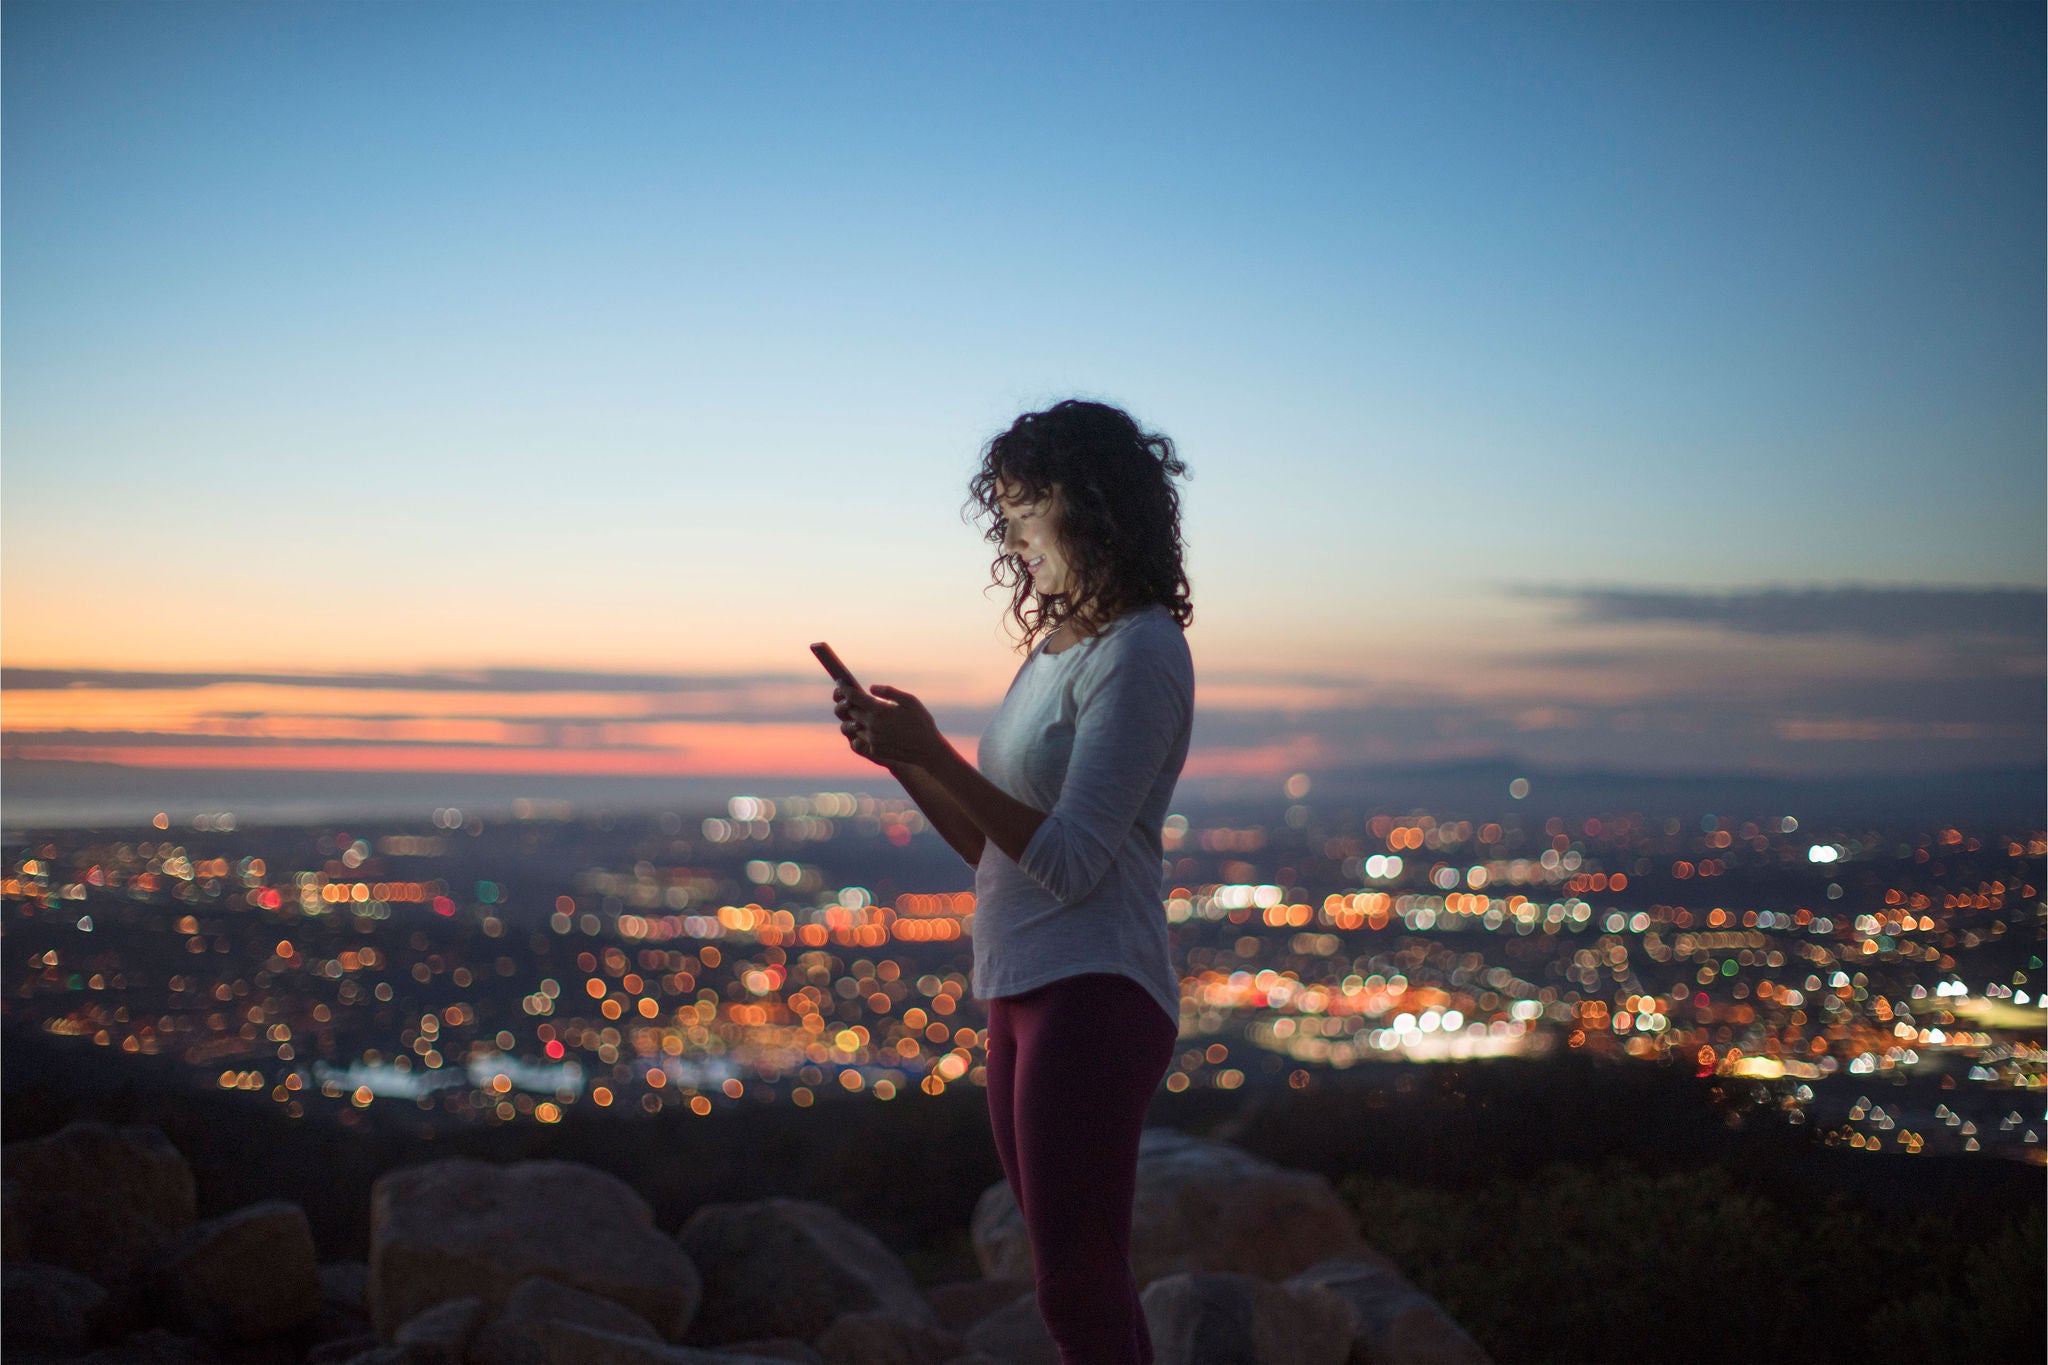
{"x": 899, "y": 732}
{"x": 995, "y": 814}
{"x": 942, "y": 811}
{"x": 1132, "y": 720}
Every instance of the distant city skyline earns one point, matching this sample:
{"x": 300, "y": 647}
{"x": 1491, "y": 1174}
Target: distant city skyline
{"x": 476, "y": 390}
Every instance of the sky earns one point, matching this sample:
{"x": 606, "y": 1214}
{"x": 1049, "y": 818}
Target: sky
{"x": 520, "y": 389}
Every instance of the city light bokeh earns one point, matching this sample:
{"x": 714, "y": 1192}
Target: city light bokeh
{"x": 1884, "y": 986}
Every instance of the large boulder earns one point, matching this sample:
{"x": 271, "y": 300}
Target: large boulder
{"x": 1200, "y": 1205}
{"x": 790, "y": 1268}
{"x": 110, "y": 1243}
{"x": 1197, "y": 1317}
{"x": 1396, "y": 1323}
{"x": 134, "y": 1167}
{"x": 253, "y": 1273}
{"x": 50, "y": 1309}
{"x": 459, "y": 1227}
{"x": 100, "y": 1200}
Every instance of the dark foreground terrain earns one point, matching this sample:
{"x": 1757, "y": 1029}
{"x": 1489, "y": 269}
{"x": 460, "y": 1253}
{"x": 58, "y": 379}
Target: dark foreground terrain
{"x": 1562, "y": 1211}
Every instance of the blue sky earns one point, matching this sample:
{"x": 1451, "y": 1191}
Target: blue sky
{"x": 662, "y": 336}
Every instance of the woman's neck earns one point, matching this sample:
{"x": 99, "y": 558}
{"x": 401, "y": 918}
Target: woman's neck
{"x": 1071, "y": 632}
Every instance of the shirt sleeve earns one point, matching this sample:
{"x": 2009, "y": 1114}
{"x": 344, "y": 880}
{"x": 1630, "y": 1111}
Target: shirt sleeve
{"x": 1128, "y": 719}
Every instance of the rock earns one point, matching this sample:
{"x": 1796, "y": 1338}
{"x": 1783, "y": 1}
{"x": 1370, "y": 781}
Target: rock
{"x": 343, "y": 1315}
{"x": 974, "y": 1358}
{"x": 250, "y": 1274}
{"x": 965, "y": 1302}
{"x": 1200, "y": 1205}
{"x": 1428, "y": 1336}
{"x": 1397, "y": 1323}
{"x": 134, "y": 1167}
{"x": 381, "y": 1355}
{"x": 346, "y": 1285}
{"x": 1015, "y": 1334}
{"x": 1197, "y": 1317}
{"x": 12, "y": 1247}
{"x": 540, "y": 1299}
{"x": 277, "y": 1350}
{"x": 341, "y": 1349}
{"x": 563, "y": 1343}
{"x": 460, "y": 1227}
{"x": 774, "y": 1348}
{"x": 110, "y": 1243}
{"x": 524, "y": 1331}
{"x": 877, "y": 1338}
{"x": 158, "y": 1346}
{"x": 791, "y": 1267}
{"x": 441, "y": 1335}
{"x": 50, "y": 1308}
{"x": 334, "y": 1324}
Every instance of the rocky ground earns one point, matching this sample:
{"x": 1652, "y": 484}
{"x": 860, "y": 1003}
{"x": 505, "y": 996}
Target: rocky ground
{"x": 547, "y": 1262}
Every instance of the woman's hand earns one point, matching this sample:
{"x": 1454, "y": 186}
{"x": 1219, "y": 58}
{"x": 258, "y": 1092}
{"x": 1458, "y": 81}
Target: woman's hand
{"x": 888, "y": 726}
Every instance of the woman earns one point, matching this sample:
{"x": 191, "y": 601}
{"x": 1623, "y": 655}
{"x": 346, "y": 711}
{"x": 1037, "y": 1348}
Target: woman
{"x": 1061, "y": 822}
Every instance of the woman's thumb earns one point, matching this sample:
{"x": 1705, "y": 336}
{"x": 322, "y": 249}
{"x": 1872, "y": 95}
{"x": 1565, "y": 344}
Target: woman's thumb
{"x": 884, "y": 690}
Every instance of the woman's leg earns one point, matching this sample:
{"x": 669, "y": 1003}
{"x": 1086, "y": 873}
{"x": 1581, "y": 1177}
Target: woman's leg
{"x": 1091, "y": 1050}
{"x": 1000, "y": 1076}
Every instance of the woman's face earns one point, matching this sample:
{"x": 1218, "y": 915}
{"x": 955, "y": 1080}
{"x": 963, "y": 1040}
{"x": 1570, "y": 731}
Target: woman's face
{"x": 1032, "y": 533}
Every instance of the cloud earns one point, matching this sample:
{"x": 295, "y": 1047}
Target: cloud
{"x": 1791, "y": 699}
{"x": 1573, "y": 658}
{"x": 1766, "y": 723}
{"x": 2016, "y": 614}
{"x": 462, "y": 680}
{"x": 1956, "y": 697}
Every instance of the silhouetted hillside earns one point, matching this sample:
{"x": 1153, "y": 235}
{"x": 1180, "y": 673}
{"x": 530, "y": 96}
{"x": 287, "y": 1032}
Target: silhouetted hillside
{"x": 1484, "y": 1153}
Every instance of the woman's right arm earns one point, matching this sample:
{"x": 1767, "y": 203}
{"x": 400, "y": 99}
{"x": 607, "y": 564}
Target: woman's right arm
{"x": 942, "y": 811}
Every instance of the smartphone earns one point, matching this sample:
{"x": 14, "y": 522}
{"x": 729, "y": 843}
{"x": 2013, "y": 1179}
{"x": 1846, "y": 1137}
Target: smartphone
{"x": 841, "y": 674}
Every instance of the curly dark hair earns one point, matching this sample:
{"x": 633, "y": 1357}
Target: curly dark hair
{"x": 1120, "y": 518}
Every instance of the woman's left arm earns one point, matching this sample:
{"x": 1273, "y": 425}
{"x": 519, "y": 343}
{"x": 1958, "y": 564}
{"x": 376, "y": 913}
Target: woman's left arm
{"x": 903, "y": 732}
{"x": 1008, "y": 823}
{"x": 1128, "y": 721}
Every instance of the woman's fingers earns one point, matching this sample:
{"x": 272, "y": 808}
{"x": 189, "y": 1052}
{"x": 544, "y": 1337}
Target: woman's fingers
{"x": 854, "y": 710}
{"x": 896, "y": 696}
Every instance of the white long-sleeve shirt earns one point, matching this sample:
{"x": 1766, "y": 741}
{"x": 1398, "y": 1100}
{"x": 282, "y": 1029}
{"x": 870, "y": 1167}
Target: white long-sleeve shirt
{"x": 1095, "y": 735}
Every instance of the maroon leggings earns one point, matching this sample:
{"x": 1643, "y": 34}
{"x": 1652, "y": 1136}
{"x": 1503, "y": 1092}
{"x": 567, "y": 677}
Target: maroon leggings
{"x": 1072, "y": 1065}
